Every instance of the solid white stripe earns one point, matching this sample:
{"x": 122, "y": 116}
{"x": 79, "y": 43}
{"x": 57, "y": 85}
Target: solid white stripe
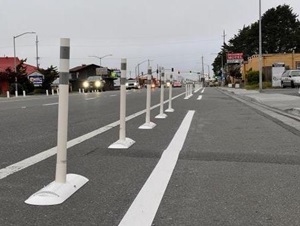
{"x": 143, "y": 209}
{"x": 200, "y": 97}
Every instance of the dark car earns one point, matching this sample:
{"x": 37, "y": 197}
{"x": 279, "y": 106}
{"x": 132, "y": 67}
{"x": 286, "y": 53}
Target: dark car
{"x": 93, "y": 83}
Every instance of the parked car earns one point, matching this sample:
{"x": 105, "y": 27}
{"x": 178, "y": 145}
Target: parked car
{"x": 93, "y": 83}
{"x": 177, "y": 84}
{"x": 290, "y": 78}
{"x": 132, "y": 84}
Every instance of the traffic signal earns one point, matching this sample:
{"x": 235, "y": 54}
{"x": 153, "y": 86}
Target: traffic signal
{"x": 172, "y": 69}
{"x": 178, "y": 72}
{"x": 190, "y": 72}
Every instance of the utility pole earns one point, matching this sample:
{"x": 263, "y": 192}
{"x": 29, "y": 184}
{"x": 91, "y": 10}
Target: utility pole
{"x": 37, "y": 52}
{"x": 202, "y": 69}
{"x": 222, "y": 61}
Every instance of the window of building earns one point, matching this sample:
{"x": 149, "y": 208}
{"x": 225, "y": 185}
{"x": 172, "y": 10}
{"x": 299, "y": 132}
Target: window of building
{"x": 298, "y": 65}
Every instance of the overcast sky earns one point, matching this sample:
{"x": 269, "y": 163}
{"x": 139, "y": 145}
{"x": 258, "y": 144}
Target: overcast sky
{"x": 171, "y": 33}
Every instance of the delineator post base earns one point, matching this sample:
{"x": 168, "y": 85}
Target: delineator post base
{"x": 122, "y": 144}
{"x": 162, "y": 116}
{"x": 149, "y": 125}
{"x": 56, "y": 193}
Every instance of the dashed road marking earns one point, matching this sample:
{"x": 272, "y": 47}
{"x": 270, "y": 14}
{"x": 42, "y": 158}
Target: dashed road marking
{"x": 199, "y": 97}
{"x": 56, "y": 103}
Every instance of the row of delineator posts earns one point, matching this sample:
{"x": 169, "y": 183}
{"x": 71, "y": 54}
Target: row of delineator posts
{"x": 67, "y": 184}
{"x": 24, "y": 93}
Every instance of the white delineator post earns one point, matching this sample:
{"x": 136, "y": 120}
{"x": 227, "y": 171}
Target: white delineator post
{"x": 170, "y": 109}
{"x": 24, "y": 93}
{"x": 47, "y": 92}
{"x": 64, "y": 185}
{"x": 148, "y": 124}
{"x": 123, "y": 142}
{"x": 7, "y": 94}
{"x": 161, "y": 114}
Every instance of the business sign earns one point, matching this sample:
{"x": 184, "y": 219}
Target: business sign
{"x": 101, "y": 71}
{"x": 234, "y": 58}
{"x": 36, "y": 79}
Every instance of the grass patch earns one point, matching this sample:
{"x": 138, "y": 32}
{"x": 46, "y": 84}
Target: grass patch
{"x": 265, "y": 85}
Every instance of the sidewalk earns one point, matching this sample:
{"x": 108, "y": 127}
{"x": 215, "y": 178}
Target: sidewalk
{"x": 286, "y": 103}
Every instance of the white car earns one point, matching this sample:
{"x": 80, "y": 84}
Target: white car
{"x": 132, "y": 84}
{"x": 290, "y": 78}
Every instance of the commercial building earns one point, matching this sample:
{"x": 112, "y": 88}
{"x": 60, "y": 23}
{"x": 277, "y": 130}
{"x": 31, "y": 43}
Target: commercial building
{"x": 290, "y": 60}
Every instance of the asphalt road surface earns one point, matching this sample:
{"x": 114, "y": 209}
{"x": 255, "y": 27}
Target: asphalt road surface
{"x": 214, "y": 161}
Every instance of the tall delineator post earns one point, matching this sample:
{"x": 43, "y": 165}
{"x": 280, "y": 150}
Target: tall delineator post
{"x": 148, "y": 124}
{"x": 65, "y": 184}
{"x": 63, "y": 103}
{"x": 161, "y": 114}
{"x": 123, "y": 142}
{"x": 170, "y": 109}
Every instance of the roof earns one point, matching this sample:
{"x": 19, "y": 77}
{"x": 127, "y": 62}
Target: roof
{"x": 83, "y": 66}
{"x": 8, "y": 62}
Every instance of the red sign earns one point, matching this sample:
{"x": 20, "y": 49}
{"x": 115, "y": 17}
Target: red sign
{"x": 234, "y": 58}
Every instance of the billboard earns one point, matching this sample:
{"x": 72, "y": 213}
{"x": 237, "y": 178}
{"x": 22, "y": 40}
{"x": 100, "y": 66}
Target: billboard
{"x": 234, "y": 58}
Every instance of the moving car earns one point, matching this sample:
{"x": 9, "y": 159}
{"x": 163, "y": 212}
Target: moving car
{"x": 290, "y": 78}
{"x": 177, "y": 84}
{"x": 132, "y": 84}
{"x": 55, "y": 85}
{"x": 117, "y": 83}
{"x": 93, "y": 83}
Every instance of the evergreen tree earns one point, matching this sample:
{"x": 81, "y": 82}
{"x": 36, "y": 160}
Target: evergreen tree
{"x": 280, "y": 34}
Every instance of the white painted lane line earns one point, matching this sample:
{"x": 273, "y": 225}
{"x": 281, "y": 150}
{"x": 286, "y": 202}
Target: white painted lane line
{"x": 92, "y": 98}
{"x": 113, "y": 95}
{"x": 199, "y": 97}
{"x": 203, "y": 90}
{"x": 143, "y": 209}
{"x": 50, "y": 104}
{"x": 11, "y": 169}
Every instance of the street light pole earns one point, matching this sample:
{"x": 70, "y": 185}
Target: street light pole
{"x": 260, "y": 49}
{"x": 138, "y": 67}
{"x": 15, "y": 61}
{"x": 101, "y": 57}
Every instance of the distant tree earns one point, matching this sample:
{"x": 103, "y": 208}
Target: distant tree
{"x": 280, "y": 30}
{"x": 280, "y": 33}
{"x": 50, "y": 74}
{"x": 23, "y": 82}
